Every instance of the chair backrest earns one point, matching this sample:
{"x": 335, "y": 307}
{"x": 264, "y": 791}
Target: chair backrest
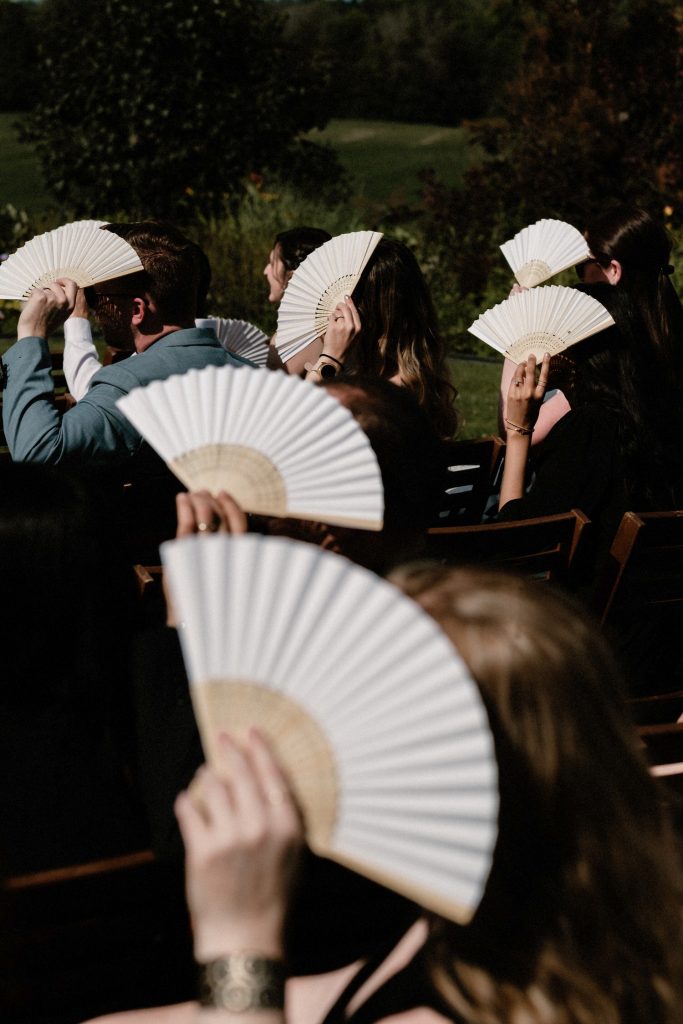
{"x": 469, "y": 468}
{"x": 545, "y": 548}
{"x": 645, "y": 565}
{"x": 93, "y": 938}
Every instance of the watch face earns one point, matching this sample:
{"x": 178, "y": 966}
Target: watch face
{"x": 327, "y": 370}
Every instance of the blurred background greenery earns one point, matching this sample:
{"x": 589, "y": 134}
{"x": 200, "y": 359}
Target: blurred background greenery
{"x": 450, "y": 124}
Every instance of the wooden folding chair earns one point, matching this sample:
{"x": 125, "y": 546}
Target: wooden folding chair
{"x": 545, "y": 548}
{"x": 469, "y": 468}
{"x": 645, "y": 563}
{"x": 92, "y": 939}
{"x": 638, "y": 598}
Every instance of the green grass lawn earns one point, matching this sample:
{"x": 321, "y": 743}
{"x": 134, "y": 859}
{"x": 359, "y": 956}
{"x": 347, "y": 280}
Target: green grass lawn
{"x": 21, "y": 182}
{"x": 384, "y": 157}
{"x": 381, "y": 157}
{"x": 478, "y": 384}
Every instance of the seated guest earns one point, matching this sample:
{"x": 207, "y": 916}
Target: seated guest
{"x": 630, "y": 250}
{"x": 81, "y": 361}
{"x": 581, "y": 918}
{"x": 388, "y": 329}
{"x": 618, "y": 448}
{"x": 290, "y": 249}
{"x": 151, "y": 313}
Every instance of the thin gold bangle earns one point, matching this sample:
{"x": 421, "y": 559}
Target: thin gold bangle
{"x": 525, "y": 431}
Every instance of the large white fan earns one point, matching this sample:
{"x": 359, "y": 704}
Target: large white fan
{"x": 278, "y": 444}
{"x": 240, "y": 337}
{"x": 81, "y": 251}
{"x": 544, "y": 249}
{"x": 547, "y": 319}
{"x": 326, "y": 275}
{"x": 372, "y": 713}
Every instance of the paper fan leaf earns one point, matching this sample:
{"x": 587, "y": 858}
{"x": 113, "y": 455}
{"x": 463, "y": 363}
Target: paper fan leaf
{"x": 544, "y": 249}
{"x": 240, "y": 337}
{"x": 548, "y": 319}
{"x": 326, "y": 275}
{"x": 81, "y": 251}
{"x": 279, "y": 445}
{"x": 372, "y": 714}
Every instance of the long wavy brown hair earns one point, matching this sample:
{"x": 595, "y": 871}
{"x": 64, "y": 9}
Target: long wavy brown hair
{"x": 399, "y": 333}
{"x": 581, "y": 921}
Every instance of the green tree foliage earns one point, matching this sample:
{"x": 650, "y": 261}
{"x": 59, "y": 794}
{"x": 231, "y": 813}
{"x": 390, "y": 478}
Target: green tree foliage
{"x": 435, "y": 62}
{"x": 594, "y": 117}
{"x": 166, "y": 107}
{"x": 17, "y": 55}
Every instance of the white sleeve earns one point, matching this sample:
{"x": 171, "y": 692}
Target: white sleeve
{"x": 80, "y": 356}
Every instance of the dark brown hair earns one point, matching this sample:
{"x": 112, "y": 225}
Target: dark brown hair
{"x": 399, "y": 333}
{"x": 175, "y": 268}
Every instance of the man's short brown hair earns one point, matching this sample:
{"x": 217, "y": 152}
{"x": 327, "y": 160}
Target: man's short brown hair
{"x": 173, "y": 267}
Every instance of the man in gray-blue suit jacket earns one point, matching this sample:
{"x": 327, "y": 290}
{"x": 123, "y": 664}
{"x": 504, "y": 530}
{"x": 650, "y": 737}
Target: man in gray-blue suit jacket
{"x": 151, "y": 313}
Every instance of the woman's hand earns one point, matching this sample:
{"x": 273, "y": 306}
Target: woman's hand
{"x": 344, "y": 325}
{"x": 524, "y": 401}
{"x": 242, "y": 842}
{"x": 525, "y": 396}
{"x": 201, "y": 512}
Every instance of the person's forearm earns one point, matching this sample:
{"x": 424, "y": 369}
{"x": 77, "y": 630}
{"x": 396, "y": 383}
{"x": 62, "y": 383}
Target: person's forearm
{"x": 81, "y": 362}
{"x": 514, "y": 469}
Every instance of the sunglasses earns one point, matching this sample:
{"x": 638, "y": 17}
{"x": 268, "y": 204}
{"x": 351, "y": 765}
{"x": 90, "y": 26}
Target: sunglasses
{"x": 599, "y": 261}
{"x": 93, "y": 298}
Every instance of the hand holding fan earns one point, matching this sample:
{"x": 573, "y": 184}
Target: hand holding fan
{"x": 81, "y": 251}
{"x": 371, "y": 712}
{"x": 279, "y": 445}
{"x": 321, "y": 281}
{"x": 544, "y": 249}
{"x": 548, "y": 319}
{"x": 240, "y": 337}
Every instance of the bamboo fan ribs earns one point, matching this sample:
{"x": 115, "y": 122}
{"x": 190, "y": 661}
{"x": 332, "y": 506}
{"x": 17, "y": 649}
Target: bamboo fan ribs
{"x": 548, "y": 319}
{"x": 81, "y": 251}
{"x": 544, "y": 249}
{"x": 239, "y": 337}
{"x": 326, "y": 275}
{"x": 372, "y": 714}
{"x": 279, "y": 445}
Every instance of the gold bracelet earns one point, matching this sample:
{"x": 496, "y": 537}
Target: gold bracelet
{"x": 241, "y": 982}
{"x": 524, "y": 431}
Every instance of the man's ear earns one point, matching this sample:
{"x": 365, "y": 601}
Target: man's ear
{"x": 142, "y": 307}
{"x": 613, "y": 272}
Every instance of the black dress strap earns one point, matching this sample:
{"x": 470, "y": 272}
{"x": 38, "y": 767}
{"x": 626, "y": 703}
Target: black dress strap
{"x": 408, "y": 989}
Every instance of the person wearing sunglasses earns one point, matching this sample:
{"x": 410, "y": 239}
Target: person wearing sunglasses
{"x": 150, "y": 313}
{"x": 629, "y": 249}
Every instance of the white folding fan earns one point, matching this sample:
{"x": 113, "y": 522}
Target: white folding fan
{"x": 279, "y": 445}
{"x": 372, "y": 714}
{"x": 81, "y": 251}
{"x": 544, "y": 249}
{"x": 547, "y": 319}
{"x": 240, "y": 337}
{"x": 326, "y": 275}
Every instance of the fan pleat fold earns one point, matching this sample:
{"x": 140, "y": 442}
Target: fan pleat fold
{"x": 324, "y": 462}
{"x": 411, "y": 757}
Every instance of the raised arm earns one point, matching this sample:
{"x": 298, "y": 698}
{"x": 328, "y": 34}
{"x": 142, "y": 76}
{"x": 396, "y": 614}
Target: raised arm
{"x": 523, "y": 403}
{"x": 242, "y": 841}
{"x": 81, "y": 361}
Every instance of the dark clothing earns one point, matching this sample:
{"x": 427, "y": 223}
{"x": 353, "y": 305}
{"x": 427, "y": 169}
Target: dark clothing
{"x": 408, "y": 989}
{"x": 579, "y": 465}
